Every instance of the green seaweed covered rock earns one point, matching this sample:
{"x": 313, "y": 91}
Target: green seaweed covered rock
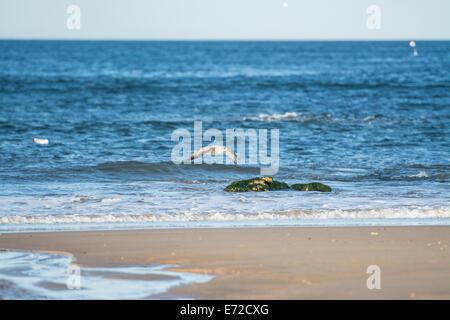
{"x": 313, "y": 186}
{"x": 268, "y": 184}
{"x": 256, "y": 184}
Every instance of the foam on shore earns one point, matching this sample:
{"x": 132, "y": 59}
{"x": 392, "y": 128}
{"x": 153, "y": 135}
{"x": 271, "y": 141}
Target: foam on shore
{"x": 320, "y": 214}
{"x": 34, "y": 275}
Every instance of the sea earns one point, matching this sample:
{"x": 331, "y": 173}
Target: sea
{"x": 369, "y": 119}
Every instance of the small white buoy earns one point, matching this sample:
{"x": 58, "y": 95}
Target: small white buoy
{"x": 40, "y": 141}
{"x": 412, "y": 44}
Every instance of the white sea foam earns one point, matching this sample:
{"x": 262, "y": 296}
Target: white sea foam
{"x": 111, "y": 200}
{"x": 32, "y": 275}
{"x": 277, "y": 117}
{"x": 421, "y": 174}
{"x": 298, "y": 116}
{"x": 319, "y": 214}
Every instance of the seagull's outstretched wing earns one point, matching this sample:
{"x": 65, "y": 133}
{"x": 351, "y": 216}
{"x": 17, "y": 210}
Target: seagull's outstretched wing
{"x": 213, "y": 150}
{"x": 230, "y": 154}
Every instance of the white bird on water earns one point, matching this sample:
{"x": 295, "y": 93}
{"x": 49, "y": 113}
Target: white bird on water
{"x": 213, "y": 150}
{"x": 40, "y": 141}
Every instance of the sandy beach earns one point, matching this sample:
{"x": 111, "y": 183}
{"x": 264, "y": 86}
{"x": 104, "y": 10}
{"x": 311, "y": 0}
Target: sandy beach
{"x": 271, "y": 263}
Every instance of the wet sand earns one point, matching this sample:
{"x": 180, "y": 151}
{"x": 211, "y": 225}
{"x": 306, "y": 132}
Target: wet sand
{"x": 271, "y": 263}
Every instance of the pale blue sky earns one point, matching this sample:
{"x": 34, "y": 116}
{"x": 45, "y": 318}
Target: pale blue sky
{"x": 225, "y": 19}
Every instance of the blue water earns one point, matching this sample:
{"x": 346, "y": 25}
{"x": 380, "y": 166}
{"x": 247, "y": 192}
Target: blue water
{"x": 367, "y": 118}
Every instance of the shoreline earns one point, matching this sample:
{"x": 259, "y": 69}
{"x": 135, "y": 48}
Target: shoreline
{"x": 270, "y": 263}
{"x": 225, "y": 224}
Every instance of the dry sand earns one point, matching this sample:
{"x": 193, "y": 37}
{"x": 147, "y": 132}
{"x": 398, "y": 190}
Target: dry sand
{"x": 272, "y": 263}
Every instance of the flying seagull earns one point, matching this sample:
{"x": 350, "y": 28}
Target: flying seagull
{"x": 213, "y": 150}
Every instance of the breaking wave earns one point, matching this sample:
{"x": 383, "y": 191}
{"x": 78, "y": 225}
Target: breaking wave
{"x": 303, "y": 117}
{"x": 374, "y": 213}
{"x": 421, "y": 174}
